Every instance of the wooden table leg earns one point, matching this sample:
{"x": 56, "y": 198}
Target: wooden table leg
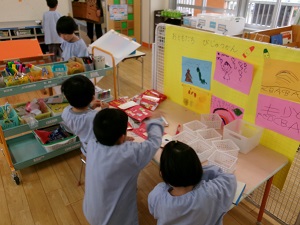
{"x": 264, "y": 200}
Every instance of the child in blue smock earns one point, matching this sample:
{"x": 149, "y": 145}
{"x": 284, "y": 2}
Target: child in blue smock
{"x": 190, "y": 194}
{"x": 79, "y": 116}
{"x": 52, "y": 40}
{"x": 72, "y": 45}
{"x": 112, "y": 168}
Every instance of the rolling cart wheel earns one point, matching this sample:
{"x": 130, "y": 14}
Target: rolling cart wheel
{"x": 16, "y": 179}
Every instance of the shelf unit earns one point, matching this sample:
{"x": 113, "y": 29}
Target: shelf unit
{"x": 24, "y": 30}
{"x": 15, "y": 139}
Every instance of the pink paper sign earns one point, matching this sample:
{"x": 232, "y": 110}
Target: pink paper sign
{"x": 233, "y": 72}
{"x": 279, "y": 115}
{"x": 226, "y": 110}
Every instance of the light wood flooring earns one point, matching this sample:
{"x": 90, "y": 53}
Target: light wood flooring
{"x": 49, "y": 193}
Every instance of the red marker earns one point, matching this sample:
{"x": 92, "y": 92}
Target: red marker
{"x": 178, "y": 129}
{"x": 248, "y": 51}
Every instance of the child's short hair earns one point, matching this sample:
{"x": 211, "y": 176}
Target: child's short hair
{"x": 66, "y": 25}
{"x": 109, "y": 125}
{"x": 52, "y": 3}
{"x": 78, "y": 90}
{"x": 180, "y": 165}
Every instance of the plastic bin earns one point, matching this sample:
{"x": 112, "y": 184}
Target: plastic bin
{"x": 202, "y": 149}
{"x": 46, "y": 112}
{"x": 209, "y": 135}
{"x": 59, "y": 70}
{"x": 227, "y": 146}
{"x": 243, "y": 134}
{"x": 184, "y": 137}
{"x": 56, "y": 104}
{"x": 212, "y": 120}
{"x": 193, "y": 126}
{"x": 223, "y": 160}
{"x": 58, "y": 143}
{"x": 12, "y": 119}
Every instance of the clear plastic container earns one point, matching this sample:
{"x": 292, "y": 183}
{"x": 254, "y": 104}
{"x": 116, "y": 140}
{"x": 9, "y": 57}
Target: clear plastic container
{"x": 184, "y": 137}
{"x": 209, "y": 135}
{"x": 243, "y": 134}
{"x": 202, "y": 149}
{"x": 227, "y": 146}
{"x": 212, "y": 120}
{"x": 193, "y": 126}
{"x": 223, "y": 160}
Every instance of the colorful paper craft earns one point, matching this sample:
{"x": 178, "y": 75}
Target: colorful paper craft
{"x": 138, "y": 113}
{"x": 233, "y": 72}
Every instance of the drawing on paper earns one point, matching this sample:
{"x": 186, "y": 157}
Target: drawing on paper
{"x": 278, "y": 81}
{"x": 226, "y": 110}
{"x": 196, "y": 72}
{"x": 188, "y": 76}
{"x": 279, "y": 115}
{"x": 233, "y": 72}
{"x": 195, "y": 98}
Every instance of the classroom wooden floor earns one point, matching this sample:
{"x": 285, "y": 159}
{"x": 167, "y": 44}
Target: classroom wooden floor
{"x": 49, "y": 193}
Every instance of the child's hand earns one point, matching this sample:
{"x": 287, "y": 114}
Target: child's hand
{"x": 156, "y": 114}
{"x": 95, "y": 103}
{"x": 104, "y": 105}
{"x": 128, "y": 138}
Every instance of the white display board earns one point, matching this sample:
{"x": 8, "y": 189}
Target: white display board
{"x": 117, "y": 44}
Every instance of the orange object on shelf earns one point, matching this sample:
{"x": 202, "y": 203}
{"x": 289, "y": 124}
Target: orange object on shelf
{"x": 18, "y": 49}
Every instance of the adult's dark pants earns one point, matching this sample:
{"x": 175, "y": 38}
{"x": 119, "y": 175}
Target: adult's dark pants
{"x": 90, "y": 30}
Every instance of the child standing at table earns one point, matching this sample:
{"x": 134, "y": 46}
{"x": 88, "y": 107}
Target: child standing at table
{"x": 72, "y": 45}
{"x": 79, "y": 115}
{"x": 52, "y": 40}
{"x": 190, "y": 194}
{"x": 113, "y": 166}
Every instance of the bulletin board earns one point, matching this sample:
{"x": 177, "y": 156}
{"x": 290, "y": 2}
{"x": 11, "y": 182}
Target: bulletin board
{"x": 23, "y": 10}
{"x": 260, "y": 81}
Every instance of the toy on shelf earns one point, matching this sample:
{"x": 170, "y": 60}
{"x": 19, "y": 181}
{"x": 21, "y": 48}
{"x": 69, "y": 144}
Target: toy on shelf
{"x": 8, "y": 117}
{"x": 15, "y": 73}
{"x": 37, "y": 109}
{"x": 60, "y": 70}
{"x": 39, "y": 73}
{"x": 56, "y": 104}
{"x": 54, "y": 137}
{"x": 75, "y": 65}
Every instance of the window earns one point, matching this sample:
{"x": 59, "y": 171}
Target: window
{"x": 259, "y": 14}
{"x": 271, "y": 14}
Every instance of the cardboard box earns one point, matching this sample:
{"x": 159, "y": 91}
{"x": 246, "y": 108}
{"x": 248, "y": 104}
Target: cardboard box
{"x": 85, "y": 11}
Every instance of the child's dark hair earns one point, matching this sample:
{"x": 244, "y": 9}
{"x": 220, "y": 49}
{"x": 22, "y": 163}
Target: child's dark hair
{"x": 109, "y": 125}
{"x": 180, "y": 165}
{"x": 52, "y": 3}
{"x": 66, "y": 25}
{"x": 78, "y": 90}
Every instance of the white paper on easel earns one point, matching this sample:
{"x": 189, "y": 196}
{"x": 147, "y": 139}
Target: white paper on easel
{"x": 118, "y": 45}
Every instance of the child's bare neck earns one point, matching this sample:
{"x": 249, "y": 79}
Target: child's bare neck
{"x": 178, "y": 191}
{"x": 52, "y": 9}
{"x": 74, "y": 38}
{"x": 80, "y": 109}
